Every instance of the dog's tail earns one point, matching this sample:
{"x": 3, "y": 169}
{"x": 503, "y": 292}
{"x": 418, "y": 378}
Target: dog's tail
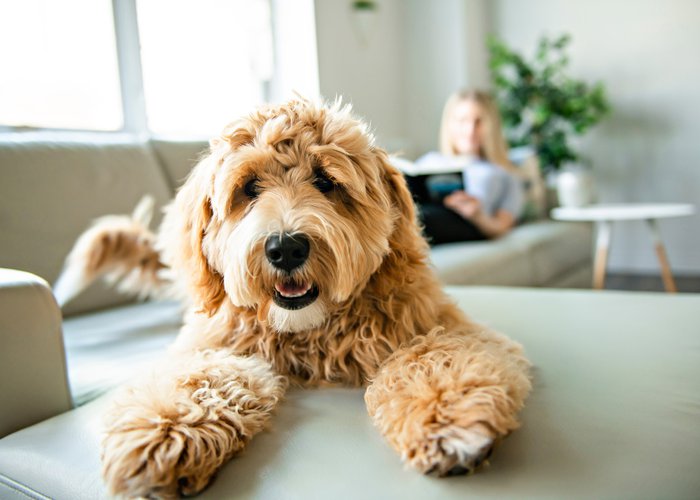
{"x": 121, "y": 249}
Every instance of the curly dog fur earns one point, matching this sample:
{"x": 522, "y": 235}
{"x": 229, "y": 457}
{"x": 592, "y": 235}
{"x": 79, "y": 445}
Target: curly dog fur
{"x": 440, "y": 388}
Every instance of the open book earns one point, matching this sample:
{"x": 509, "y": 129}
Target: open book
{"x": 434, "y": 163}
{"x": 430, "y": 165}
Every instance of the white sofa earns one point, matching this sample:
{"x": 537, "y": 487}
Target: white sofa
{"x": 614, "y": 413}
{"x": 540, "y": 253}
{"x": 52, "y": 190}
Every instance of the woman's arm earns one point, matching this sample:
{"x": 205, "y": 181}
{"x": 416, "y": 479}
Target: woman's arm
{"x": 494, "y": 226}
{"x": 469, "y": 207}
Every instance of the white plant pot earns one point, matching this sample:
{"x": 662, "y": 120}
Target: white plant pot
{"x": 575, "y": 188}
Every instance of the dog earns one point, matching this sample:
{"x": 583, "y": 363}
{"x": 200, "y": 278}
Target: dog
{"x": 297, "y": 247}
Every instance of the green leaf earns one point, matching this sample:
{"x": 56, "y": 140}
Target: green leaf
{"x": 540, "y": 104}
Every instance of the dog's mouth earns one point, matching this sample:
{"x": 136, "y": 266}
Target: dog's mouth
{"x": 292, "y": 295}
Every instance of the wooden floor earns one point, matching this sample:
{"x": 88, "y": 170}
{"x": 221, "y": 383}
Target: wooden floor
{"x": 650, "y": 283}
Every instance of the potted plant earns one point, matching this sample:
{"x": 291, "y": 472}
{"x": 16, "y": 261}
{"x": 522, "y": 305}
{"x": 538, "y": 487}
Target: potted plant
{"x": 543, "y": 107}
{"x": 364, "y": 18}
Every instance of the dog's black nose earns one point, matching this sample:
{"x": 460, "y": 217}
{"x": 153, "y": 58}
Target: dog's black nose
{"x": 287, "y": 251}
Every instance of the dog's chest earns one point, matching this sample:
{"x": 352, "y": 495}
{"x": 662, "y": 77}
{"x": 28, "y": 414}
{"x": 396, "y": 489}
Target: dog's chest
{"x": 318, "y": 358}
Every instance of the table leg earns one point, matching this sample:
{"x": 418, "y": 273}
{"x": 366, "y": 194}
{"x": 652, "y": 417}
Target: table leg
{"x": 669, "y": 283}
{"x": 603, "y": 234}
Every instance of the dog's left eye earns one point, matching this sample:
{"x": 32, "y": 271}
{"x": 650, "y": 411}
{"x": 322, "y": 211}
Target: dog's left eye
{"x": 251, "y": 189}
{"x": 323, "y": 183}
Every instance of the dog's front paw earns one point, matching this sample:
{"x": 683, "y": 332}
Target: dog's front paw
{"x": 451, "y": 450}
{"x": 169, "y": 435}
{"x": 157, "y": 460}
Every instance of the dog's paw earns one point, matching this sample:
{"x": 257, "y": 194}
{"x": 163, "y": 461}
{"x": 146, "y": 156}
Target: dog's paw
{"x": 452, "y": 451}
{"x": 154, "y": 462}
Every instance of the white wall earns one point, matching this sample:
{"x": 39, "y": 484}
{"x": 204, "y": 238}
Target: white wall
{"x": 444, "y": 51}
{"x": 370, "y": 75}
{"x": 646, "y": 53}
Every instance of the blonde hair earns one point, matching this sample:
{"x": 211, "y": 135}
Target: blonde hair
{"x": 493, "y": 147}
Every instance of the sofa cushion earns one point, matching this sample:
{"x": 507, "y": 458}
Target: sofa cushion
{"x": 578, "y": 277}
{"x": 106, "y": 348}
{"x": 555, "y": 248}
{"x": 178, "y": 157}
{"x": 52, "y": 190}
{"x": 533, "y": 254}
{"x": 497, "y": 262}
{"x": 615, "y": 413}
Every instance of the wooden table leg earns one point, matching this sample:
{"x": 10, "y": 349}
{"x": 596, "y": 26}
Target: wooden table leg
{"x": 669, "y": 283}
{"x": 603, "y": 234}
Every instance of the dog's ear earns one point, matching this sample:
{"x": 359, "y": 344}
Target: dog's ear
{"x": 408, "y": 247}
{"x": 191, "y": 216}
{"x": 397, "y": 188}
{"x": 186, "y": 222}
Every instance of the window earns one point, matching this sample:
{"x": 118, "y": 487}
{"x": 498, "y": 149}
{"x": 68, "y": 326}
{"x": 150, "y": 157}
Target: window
{"x": 170, "y": 67}
{"x": 59, "y": 65}
{"x": 203, "y": 62}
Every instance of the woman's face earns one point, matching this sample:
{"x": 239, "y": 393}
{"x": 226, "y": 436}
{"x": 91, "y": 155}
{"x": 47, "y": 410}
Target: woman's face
{"x": 466, "y": 127}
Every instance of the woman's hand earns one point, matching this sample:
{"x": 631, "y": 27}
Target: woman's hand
{"x": 465, "y": 205}
{"x": 469, "y": 208}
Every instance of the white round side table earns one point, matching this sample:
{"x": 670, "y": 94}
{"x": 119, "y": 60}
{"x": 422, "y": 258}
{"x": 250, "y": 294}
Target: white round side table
{"x": 605, "y": 215}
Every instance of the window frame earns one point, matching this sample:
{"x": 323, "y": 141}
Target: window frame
{"x": 133, "y": 104}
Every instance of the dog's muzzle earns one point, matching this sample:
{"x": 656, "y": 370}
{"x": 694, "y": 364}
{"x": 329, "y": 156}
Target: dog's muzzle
{"x": 287, "y": 252}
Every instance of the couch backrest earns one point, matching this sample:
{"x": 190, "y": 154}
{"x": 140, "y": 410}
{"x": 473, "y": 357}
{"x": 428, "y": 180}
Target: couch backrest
{"x": 50, "y": 191}
{"x": 178, "y": 157}
{"x": 528, "y": 165}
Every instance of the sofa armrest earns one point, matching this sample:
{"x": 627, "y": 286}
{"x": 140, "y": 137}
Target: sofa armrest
{"x": 33, "y": 379}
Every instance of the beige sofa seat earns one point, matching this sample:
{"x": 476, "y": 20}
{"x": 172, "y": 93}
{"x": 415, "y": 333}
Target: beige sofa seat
{"x": 109, "y": 347}
{"x": 542, "y": 253}
{"x": 615, "y": 413}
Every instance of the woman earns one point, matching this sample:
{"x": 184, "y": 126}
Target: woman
{"x": 492, "y": 198}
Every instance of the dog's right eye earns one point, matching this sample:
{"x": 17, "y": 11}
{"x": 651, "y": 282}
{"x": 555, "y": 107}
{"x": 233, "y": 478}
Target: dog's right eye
{"x": 251, "y": 189}
{"x": 323, "y": 183}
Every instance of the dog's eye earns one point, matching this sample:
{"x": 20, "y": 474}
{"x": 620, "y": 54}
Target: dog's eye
{"x": 251, "y": 188}
{"x": 323, "y": 183}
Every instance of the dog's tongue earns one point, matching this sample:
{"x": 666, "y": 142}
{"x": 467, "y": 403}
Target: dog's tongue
{"x": 290, "y": 289}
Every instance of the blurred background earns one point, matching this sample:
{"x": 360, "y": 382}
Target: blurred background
{"x": 182, "y": 69}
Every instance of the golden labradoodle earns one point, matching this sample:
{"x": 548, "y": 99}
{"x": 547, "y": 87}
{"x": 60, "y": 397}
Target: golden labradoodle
{"x": 298, "y": 248}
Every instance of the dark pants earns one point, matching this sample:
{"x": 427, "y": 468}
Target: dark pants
{"x": 440, "y": 224}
